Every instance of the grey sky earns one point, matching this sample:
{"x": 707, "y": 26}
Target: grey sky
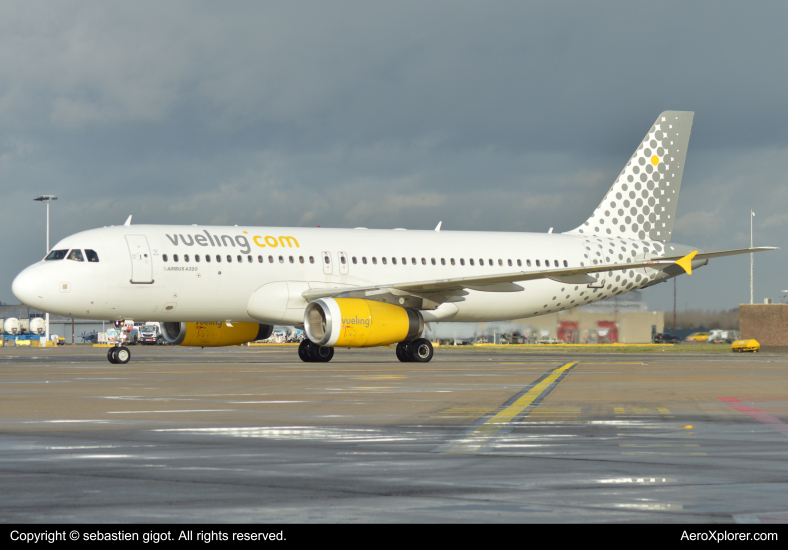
{"x": 491, "y": 116}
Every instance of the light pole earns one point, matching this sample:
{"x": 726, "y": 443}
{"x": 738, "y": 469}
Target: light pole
{"x": 46, "y": 199}
{"x": 752, "y": 215}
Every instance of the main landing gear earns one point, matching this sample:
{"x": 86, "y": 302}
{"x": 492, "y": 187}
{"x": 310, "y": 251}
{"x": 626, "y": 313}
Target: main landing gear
{"x": 415, "y": 351}
{"x": 309, "y": 352}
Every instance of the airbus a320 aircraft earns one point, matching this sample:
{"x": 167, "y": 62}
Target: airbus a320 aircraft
{"x": 220, "y": 286}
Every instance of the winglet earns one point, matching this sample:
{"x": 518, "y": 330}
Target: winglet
{"x": 438, "y": 227}
{"x": 128, "y": 220}
{"x": 686, "y": 262}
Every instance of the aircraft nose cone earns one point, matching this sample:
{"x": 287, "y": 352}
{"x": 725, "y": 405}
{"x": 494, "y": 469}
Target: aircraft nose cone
{"x": 28, "y": 287}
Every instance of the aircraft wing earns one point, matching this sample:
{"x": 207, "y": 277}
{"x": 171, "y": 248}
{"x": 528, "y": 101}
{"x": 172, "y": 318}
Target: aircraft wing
{"x": 430, "y": 294}
{"x": 706, "y": 255}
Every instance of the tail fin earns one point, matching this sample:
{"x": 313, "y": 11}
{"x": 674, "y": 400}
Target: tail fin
{"x": 642, "y": 202}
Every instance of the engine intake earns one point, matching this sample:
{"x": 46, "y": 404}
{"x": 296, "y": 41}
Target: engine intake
{"x": 213, "y": 334}
{"x": 357, "y": 323}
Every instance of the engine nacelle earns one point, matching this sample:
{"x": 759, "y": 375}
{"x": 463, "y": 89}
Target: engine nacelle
{"x": 358, "y": 323}
{"x": 213, "y": 334}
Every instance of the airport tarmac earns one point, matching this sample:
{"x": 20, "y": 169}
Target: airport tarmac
{"x": 248, "y": 434}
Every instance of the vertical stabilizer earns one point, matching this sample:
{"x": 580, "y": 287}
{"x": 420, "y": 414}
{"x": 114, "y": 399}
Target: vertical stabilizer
{"x": 642, "y": 202}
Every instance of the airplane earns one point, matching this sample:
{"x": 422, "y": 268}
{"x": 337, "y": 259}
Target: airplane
{"x": 348, "y": 288}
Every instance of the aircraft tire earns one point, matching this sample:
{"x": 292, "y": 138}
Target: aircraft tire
{"x": 322, "y": 354}
{"x": 111, "y": 355}
{"x": 122, "y": 355}
{"x": 403, "y": 353}
{"x": 421, "y": 350}
{"x": 303, "y": 351}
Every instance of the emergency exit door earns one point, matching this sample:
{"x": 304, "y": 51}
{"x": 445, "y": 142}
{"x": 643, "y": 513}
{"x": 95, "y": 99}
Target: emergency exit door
{"x": 141, "y": 265}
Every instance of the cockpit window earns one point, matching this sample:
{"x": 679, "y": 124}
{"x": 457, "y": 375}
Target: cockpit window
{"x": 76, "y": 255}
{"x": 91, "y": 254}
{"x": 56, "y": 255}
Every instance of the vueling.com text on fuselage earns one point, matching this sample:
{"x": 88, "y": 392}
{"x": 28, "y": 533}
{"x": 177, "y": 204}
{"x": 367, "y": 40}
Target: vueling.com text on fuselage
{"x": 207, "y": 239}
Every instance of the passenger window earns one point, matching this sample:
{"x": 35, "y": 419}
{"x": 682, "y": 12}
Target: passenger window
{"x": 538, "y": 264}
{"x": 185, "y": 257}
{"x": 452, "y": 261}
{"x": 566, "y": 264}
{"x": 311, "y": 259}
{"x": 528, "y": 263}
{"x": 229, "y": 259}
{"x": 519, "y": 263}
{"x": 500, "y": 261}
{"x": 292, "y": 261}
{"x": 76, "y": 255}
{"x": 270, "y": 259}
{"x": 56, "y": 255}
{"x": 249, "y": 259}
{"x": 174, "y": 257}
{"x": 327, "y": 260}
{"x": 471, "y": 260}
{"x": 481, "y": 261}
{"x": 491, "y": 262}
{"x": 342, "y": 260}
{"x": 197, "y": 258}
{"x": 259, "y": 259}
{"x": 443, "y": 261}
{"x": 164, "y": 257}
{"x": 405, "y": 261}
{"x": 462, "y": 261}
{"x": 432, "y": 260}
{"x": 383, "y": 259}
{"x": 207, "y": 258}
{"x": 354, "y": 260}
{"x": 364, "y": 260}
{"x": 547, "y": 263}
{"x": 240, "y": 259}
{"x": 424, "y": 261}
{"x": 282, "y": 259}
{"x": 394, "y": 261}
{"x": 374, "y": 260}
{"x": 300, "y": 259}
{"x": 91, "y": 254}
{"x": 218, "y": 259}
{"x": 413, "y": 261}
{"x": 555, "y": 262}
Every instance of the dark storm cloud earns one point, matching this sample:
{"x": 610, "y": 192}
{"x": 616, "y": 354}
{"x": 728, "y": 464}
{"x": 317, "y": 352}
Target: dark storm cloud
{"x": 503, "y": 116}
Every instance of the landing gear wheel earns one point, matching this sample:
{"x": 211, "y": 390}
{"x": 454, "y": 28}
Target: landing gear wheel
{"x": 303, "y": 351}
{"x": 122, "y": 355}
{"x": 421, "y": 350}
{"x": 111, "y": 355}
{"x": 322, "y": 354}
{"x": 403, "y": 352}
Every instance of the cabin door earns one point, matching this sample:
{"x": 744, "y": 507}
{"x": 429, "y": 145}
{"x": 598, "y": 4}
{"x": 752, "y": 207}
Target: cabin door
{"x": 141, "y": 266}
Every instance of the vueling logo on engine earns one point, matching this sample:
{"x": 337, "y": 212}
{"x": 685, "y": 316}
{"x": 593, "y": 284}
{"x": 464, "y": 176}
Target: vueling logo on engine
{"x": 233, "y": 241}
{"x": 356, "y": 321}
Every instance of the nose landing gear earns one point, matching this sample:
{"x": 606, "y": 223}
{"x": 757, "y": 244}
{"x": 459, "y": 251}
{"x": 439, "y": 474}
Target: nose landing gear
{"x": 119, "y": 354}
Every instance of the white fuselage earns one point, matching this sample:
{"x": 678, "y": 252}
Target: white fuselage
{"x": 137, "y": 275}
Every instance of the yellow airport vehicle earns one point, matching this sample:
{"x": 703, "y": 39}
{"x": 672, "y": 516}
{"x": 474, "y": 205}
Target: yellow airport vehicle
{"x": 746, "y": 345}
{"x": 698, "y": 337}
